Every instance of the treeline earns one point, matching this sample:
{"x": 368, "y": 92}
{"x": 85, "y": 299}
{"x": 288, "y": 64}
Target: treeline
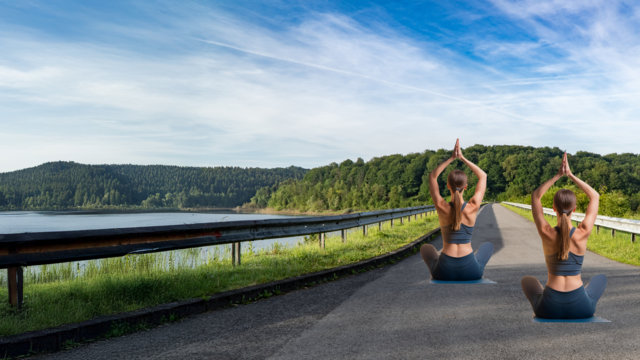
{"x": 69, "y": 185}
{"x": 402, "y": 180}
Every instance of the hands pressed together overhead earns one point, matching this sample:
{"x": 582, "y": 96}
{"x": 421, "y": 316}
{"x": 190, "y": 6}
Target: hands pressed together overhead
{"x": 457, "y": 152}
{"x": 564, "y": 168}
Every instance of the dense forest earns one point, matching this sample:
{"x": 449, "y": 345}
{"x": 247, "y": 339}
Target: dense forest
{"x": 401, "y": 180}
{"x": 382, "y": 182}
{"x": 69, "y": 185}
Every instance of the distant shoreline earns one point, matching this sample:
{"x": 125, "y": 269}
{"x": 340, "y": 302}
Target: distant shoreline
{"x": 125, "y": 211}
{"x": 273, "y": 211}
{"x": 134, "y": 210}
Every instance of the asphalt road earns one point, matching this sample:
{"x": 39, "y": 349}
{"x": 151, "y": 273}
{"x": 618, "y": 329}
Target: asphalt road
{"x": 395, "y": 313}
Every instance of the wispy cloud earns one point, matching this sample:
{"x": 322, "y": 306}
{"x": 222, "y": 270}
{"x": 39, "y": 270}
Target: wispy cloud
{"x": 197, "y": 85}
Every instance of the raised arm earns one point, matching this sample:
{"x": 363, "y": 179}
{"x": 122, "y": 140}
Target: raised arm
{"x": 594, "y": 197}
{"x": 433, "y": 178}
{"x": 481, "y": 187}
{"x": 544, "y": 229}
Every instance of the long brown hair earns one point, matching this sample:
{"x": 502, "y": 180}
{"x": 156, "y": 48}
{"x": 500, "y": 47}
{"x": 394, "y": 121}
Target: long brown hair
{"x": 565, "y": 202}
{"x": 457, "y": 180}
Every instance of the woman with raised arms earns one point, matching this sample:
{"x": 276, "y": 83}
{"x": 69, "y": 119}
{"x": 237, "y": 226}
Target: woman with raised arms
{"x": 457, "y": 262}
{"x": 564, "y": 246}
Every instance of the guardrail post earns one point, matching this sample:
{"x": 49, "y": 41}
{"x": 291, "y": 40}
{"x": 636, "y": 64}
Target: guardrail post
{"x": 597, "y": 229}
{"x": 633, "y": 237}
{"x": 613, "y": 232}
{"x": 15, "y": 283}
{"x": 401, "y": 221}
{"x": 391, "y": 222}
{"x": 321, "y": 240}
{"x": 409, "y": 218}
{"x": 343, "y": 235}
{"x": 364, "y": 230}
{"x": 235, "y": 253}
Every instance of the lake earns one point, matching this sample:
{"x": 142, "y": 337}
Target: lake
{"x": 35, "y": 221}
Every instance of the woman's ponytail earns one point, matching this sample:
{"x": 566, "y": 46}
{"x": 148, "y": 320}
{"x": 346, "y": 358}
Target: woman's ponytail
{"x": 564, "y": 202}
{"x": 564, "y": 236}
{"x": 457, "y": 181}
{"x": 456, "y": 214}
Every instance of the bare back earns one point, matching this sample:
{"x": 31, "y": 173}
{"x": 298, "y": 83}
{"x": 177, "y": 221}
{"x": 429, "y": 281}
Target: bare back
{"x": 469, "y": 215}
{"x": 577, "y": 245}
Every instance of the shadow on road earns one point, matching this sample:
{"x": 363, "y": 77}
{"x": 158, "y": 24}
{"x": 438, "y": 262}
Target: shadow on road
{"x": 486, "y": 229}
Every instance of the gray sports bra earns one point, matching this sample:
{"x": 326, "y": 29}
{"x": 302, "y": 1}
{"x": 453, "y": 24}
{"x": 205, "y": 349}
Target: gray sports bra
{"x": 462, "y": 236}
{"x": 571, "y": 266}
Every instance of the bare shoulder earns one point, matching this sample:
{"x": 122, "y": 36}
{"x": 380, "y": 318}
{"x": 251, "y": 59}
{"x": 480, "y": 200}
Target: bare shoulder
{"x": 549, "y": 236}
{"x": 548, "y": 232}
{"x": 472, "y": 205}
{"x": 581, "y": 235}
{"x": 442, "y": 206}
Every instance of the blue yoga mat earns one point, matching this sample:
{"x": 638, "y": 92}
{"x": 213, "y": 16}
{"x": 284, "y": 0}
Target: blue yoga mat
{"x": 478, "y": 281}
{"x": 593, "y": 319}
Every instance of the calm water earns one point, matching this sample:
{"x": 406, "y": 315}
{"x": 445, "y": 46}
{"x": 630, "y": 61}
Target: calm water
{"x": 29, "y": 221}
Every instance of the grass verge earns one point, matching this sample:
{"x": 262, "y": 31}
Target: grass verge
{"x": 618, "y": 248}
{"x": 128, "y": 284}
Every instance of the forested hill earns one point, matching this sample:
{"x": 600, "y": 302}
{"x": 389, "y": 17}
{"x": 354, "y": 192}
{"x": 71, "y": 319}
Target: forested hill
{"x": 401, "y": 180}
{"x": 66, "y": 185}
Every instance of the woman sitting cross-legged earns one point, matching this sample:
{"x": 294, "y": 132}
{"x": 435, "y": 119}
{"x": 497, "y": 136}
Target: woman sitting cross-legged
{"x": 457, "y": 262}
{"x": 564, "y": 246}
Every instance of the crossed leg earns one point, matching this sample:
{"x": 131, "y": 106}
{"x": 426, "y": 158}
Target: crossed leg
{"x": 596, "y": 286}
{"x": 483, "y": 254}
{"x": 532, "y": 289}
{"x": 430, "y": 256}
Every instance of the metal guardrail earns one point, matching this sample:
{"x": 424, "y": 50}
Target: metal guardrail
{"x": 613, "y": 223}
{"x": 26, "y": 249}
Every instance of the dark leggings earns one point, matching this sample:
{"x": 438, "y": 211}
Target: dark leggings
{"x": 445, "y": 267}
{"x": 552, "y": 304}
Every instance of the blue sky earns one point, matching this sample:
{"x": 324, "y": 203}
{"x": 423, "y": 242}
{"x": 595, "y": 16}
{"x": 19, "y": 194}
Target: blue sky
{"x": 306, "y": 83}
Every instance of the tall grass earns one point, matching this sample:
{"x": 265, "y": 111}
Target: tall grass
{"x": 139, "y": 264}
{"x": 618, "y": 248}
{"x": 55, "y": 297}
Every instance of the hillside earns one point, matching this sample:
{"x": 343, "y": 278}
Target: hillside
{"x": 68, "y": 185}
{"x": 401, "y": 180}
{"x": 382, "y": 182}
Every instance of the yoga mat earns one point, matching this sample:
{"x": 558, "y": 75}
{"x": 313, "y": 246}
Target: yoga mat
{"x": 593, "y": 319}
{"x": 478, "y": 281}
